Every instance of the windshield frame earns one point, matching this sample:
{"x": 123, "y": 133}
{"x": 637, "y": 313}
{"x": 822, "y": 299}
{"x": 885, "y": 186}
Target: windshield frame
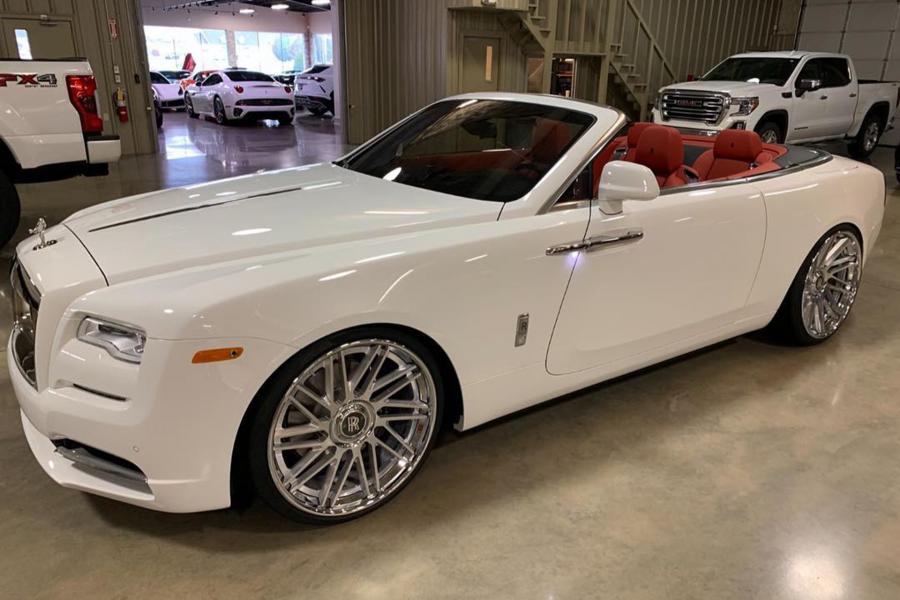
{"x": 590, "y": 124}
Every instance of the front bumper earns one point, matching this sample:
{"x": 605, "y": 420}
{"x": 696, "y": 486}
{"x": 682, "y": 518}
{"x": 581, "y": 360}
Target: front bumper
{"x": 175, "y": 436}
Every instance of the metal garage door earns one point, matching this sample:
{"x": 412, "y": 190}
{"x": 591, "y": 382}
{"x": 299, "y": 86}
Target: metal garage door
{"x": 866, "y": 30}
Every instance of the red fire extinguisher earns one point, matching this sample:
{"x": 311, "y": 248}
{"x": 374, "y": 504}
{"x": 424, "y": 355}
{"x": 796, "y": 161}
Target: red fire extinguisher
{"x": 119, "y": 98}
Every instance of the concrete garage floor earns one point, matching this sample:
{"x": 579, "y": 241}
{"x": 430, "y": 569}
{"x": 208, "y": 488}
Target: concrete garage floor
{"x": 748, "y": 470}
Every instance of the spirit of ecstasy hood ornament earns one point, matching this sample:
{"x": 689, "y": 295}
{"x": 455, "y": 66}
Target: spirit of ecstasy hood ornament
{"x": 39, "y": 229}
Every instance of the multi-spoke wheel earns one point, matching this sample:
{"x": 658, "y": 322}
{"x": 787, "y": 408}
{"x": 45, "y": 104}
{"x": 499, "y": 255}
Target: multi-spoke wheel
{"x": 346, "y": 426}
{"x": 867, "y": 139}
{"x": 824, "y": 289}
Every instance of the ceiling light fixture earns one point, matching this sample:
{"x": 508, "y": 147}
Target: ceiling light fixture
{"x": 321, "y": 2}
{"x": 247, "y": 11}
{"x": 279, "y": 7}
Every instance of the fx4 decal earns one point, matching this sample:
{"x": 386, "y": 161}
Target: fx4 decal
{"x": 27, "y": 79}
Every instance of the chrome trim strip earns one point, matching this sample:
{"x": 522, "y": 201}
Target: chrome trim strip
{"x": 84, "y": 457}
{"x": 594, "y": 242}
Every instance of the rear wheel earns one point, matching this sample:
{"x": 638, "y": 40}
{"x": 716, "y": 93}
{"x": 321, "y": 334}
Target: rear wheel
{"x": 770, "y": 133}
{"x": 824, "y": 289}
{"x": 219, "y": 111}
{"x": 867, "y": 139}
{"x": 10, "y": 209}
{"x": 345, "y": 424}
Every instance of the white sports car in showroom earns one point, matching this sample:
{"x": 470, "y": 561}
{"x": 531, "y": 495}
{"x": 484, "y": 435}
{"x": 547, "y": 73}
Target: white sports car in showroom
{"x": 314, "y": 89}
{"x": 238, "y": 94}
{"x": 310, "y": 330}
{"x": 170, "y": 94}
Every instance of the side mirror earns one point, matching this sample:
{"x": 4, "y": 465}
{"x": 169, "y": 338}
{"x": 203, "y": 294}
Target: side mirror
{"x": 808, "y": 85}
{"x": 622, "y": 181}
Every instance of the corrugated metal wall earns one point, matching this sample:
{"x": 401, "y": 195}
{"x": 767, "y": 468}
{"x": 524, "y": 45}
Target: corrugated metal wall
{"x": 394, "y": 60}
{"x": 697, "y": 34}
{"x": 89, "y": 20}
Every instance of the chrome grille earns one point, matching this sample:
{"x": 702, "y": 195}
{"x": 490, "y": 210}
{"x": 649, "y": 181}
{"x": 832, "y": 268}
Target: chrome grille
{"x": 705, "y": 107}
{"x": 26, "y": 300}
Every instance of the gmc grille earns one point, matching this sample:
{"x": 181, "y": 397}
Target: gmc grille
{"x": 705, "y": 107}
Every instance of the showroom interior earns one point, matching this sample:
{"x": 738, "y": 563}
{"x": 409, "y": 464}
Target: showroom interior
{"x": 280, "y": 234}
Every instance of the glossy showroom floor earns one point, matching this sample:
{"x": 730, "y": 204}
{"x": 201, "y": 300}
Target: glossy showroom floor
{"x": 748, "y": 470}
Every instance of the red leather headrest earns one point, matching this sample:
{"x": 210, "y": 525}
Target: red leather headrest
{"x": 738, "y": 144}
{"x": 550, "y": 139}
{"x": 660, "y": 149}
{"x": 634, "y": 133}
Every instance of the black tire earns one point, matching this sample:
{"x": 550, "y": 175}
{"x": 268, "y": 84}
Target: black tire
{"x": 10, "y": 209}
{"x": 770, "y": 132}
{"x": 269, "y": 397}
{"x": 318, "y": 111}
{"x": 219, "y": 111}
{"x": 788, "y": 321}
{"x": 159, "y": 116}
{"x": 189, "y": 107}
{"x": 331, "y": 103}
{"x": 863, "y": 145}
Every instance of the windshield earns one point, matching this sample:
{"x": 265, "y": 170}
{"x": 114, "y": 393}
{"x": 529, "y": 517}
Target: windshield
{"x": 753, "y": 70}
{"x": 483, "y": 149}
{"x": 248, "y": 76}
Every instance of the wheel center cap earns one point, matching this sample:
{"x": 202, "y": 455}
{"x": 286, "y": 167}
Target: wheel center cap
{"x": 820, "y": 283}
{"x": 352, "y": 423}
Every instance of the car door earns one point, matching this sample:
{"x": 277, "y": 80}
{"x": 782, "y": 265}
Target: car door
{"x": 683, "y": 268}
{"x": 807, "y": 119}
{"x": 838, "y": 96}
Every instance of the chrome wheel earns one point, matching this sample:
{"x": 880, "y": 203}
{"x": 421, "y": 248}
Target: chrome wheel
{"x": 769, "y": 136}
{"x": 871, "y": 135}
{"x": 352, "y": 428}
{"x": 831, "y": 283}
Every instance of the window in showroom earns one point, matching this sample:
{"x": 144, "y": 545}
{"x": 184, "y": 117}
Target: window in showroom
{"x": 167, "y": 47}
{"x": 22, "y": 44}
{"x": 321, "y": 51}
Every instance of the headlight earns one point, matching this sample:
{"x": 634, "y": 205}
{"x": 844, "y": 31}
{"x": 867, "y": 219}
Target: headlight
{"x": 121, "y": 341}
{"x": 744, "y": 106}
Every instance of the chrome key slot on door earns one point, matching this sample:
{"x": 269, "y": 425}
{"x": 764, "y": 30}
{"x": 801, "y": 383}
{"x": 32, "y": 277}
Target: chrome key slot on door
{"x": 594, "y": 242}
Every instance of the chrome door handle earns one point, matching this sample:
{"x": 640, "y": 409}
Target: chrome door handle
{"x": 853, "y": 95}
{"x": 588, "y": 244}
{"x": 823, "y": 98}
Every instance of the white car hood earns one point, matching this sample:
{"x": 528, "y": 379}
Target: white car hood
{"x": 732, "y": 88}
{"x": 253, "y": 215}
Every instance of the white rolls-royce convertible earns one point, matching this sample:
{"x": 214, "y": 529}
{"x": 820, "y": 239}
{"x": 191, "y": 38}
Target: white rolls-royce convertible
{"x": 310, "y": 330}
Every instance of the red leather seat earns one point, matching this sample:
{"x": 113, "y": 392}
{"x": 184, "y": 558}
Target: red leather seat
{"x": 661, "y": 150}
{"x": 634, "y": 136}
{"x": 549, "y": 140}
{"x": 735, "y": 151}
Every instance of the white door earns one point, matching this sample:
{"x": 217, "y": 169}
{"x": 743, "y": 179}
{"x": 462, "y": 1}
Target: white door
{"x": 839, "y": 95}
{"x": 688, "y": 274}
{"x": 808, "y": 119}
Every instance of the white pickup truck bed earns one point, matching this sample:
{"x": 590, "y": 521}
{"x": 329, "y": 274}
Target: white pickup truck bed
{"x": 49, "y": 123}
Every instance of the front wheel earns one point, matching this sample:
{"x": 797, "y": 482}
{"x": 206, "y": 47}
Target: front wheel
{"x": 189, "y": 107}
{"x": 770, "y": 133}
{"x": 867, "y": 139}
{"x": 10, "y": 209}
{"x": 824, "y": 289}
{"x": 345, "y": 424}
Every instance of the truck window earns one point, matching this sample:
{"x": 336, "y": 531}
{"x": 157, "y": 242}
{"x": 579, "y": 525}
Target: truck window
{"x": 811, "y": 70}
{"x": 835, "y": 72}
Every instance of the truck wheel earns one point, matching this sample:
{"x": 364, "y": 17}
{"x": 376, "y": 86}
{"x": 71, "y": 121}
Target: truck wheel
{"x": 866, "y": 140}
{"x": 770, "y": 133}
{"x": 10, "y": 210}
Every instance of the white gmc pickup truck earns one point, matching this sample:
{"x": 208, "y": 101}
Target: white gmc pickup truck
{"x": 50, "y": 127}
{"x": 785, "y": 97}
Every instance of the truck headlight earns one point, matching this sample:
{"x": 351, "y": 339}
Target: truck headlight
{"x": 123, "y": 342}
{"x": 744, "y": 106}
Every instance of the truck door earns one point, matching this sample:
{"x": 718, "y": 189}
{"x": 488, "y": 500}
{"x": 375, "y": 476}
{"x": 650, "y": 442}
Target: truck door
{"x": 840, "y": 94}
